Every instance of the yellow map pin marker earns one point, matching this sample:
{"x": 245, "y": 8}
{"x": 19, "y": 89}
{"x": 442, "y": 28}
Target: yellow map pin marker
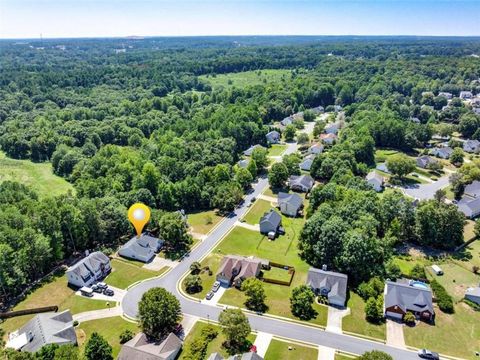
{"x": 139, "y": 215}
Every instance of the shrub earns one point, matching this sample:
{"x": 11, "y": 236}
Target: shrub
{"x": 475, "y": 269}
{"x": 198, "y": 348}
{"x": 126, "y": 335}
{"x": 374, "y": 288}
{"x": 418, "y": 272}
{"x": 444, "y": 301}
{"x": 409, "y": 318}
{"x": 75, "y": 323}
{"x": 374, "y": 310}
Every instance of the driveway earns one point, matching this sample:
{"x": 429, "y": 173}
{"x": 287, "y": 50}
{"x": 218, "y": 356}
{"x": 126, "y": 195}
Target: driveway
{"x": 426, "y": 191}
{"x": 326, "y": 353}
{"x": 255, "y": 227}
{"x": 216, "y": 298}
{"x": 262, "y": 343}
{"x": 98, "y": 314}
{"x": 158, "y": 263}
{"x": 334, "y": 320}
{"x": 395, "y": 334}
{"x": 117, "y": 297}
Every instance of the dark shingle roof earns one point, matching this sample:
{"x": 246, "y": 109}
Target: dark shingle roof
{"x": 272, "y": 217}
{"x": 293, "y": 199}
{"x": 408, "y": 297}
{"x": 336, "y": 282}
{"x": 139, "y": 348}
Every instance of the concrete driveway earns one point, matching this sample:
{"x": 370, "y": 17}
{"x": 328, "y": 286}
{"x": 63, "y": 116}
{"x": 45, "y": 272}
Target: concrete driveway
{"x": 334, "y": 320}
{"x": 216, "y": 298}
{"x": 158, "y": 263}
{"x": 395, "y": 334}
{"x": 262, "y": 342}
{"x": 426, "y": 191}
{"x": 117, "y": 297}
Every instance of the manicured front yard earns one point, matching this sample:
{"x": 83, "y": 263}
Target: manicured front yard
{"x": 280, "y": 350}
{"x": 214, "y": 346}
{"x": 356, "y": 323}
{"x": 124, "y": 274}
{"x": 109, "y": 328}
{"x": 276, "y": 150}
{"x": 457, "y": 334}
{"x": 203, "y": 221}
{"x": 257, "y": 210}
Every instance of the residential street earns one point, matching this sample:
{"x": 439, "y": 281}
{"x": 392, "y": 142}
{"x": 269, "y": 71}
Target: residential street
{"x": 426, "y": 191}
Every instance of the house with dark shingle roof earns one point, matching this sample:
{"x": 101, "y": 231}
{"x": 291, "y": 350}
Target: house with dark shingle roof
{"x": 306, "y": 164}
{"x": 465, "y": 95}
{"x": 329, "y": 284}
{"x": 407, "y": 296}
{"x": 442, "y": 152}
{"x": 44, "y": 329}
{"x": 90, "y": 269}
{"x": 140, "y": 348}
{"x": 141, "y": 248}
{"x": 235, "y": 269}
{"x": 471, "y": 146}
{"x": 289, "y": 204}
{"x": 273, "y": 137}
{"x": 375, "y": 180}
{"x": 473, "y": 189}
{"x": 303, "y": 183}
{"x": 287, "y": 121}
{"x": 424, "y": 161}
{"x": 469, "y": 205}
{"x": 249, "y": 151}
{"x": 270, "y": 222}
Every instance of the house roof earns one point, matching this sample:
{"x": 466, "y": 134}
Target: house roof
{"x": 292, "y": 199}
{"x": 471, "y": 144}
{"x": 317, "y": 109}
{"x": 443, "y": 151}
{"x": 287, "y": 121}
{"x": 92, "y": 262}
{"x": 335, "y": 282}
{"x": 328, "y": 136}
{"x": 408, "y": 297}
{"x": 306, "y": 164}
{"x": 473, "y": 189}
{"x": 243, "y": 163}
{"x": 249, "y": 151}
{"x": 425, "y": 160}
{"x": 234, "y": 266}
{"x": 273, "y": 133}
{"x": 383, "y": 167}
{"x": 474, "y": 291}
{"x": 375, "y": 177}
{"x": 301, "y": 180}
{"x": 140, "y": 348}
{"x": 150, "y": 241}
{"x": 143, "y": 246}
{"x": 244, "y": 356}
{"x": 48, "y": 328}
{"x": 272, "y": 217}
{"x": 469, "y": 206}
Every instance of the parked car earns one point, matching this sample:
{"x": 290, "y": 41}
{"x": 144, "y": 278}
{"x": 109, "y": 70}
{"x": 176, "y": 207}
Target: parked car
{"x": 108, "y": 292}
{"x": 97, "y": 289}
{"x": 253, "y": 199}
{"x": 209, "y": 295}
{"x": 427, "y": 354}
{"x": 216, "y": 286}
{"x": 102, "y": 285}
{"x": 86, "y": 291}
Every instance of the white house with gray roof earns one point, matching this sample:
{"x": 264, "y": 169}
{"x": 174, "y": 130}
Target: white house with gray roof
{"x": 90, "y": 269}
{"x": 270, "y": 222}
{"x": 142, "y": 248}
{"x": 140, "y": 348}
{"x": 471, "y": 146}
{"x": 473, "y": 294}
{"x": 465, "y": 95}
{"x": 306, "y": 163}
{"x": 273, "y": 137}
{"x": 289, "y": 204}
{"x": 332, "y": 128}
{"x": 375, "y": 180}
{"x": 287, "y": 121}
{"x": 44, "y": 329}
{"x": 316, "y": 149}
{"x": 408, "y": 296}
{"x": 249, "y": 151}
{"x": 442, "y": 152}
{"x": 303, "y": 183}
{"x": 329, "y": 284}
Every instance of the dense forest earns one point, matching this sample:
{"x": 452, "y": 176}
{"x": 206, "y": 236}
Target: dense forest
{"x": 128, "y": 120}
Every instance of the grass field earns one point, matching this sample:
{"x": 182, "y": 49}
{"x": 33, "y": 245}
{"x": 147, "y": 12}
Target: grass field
{"x": 276, "y": 150}
{"x": 280, "y": 350}
{"x": 457, "y": 334}
{"x": 473, "y": 256}
{"x": 203, "y": 221}
{"x": 247, "y": 78}
{"x": 468, "y": 230}
{"x": 109, "y": 328}
{"x": 214, "y": 346}
{"x": 124, "y": 274}
{"x": 356, "y": 323}
{"x": 256, "y": 211}
{"x": 38, "y": 176}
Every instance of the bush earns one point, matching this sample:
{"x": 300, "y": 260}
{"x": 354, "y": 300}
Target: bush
{"x": 126, "y": 335}
{"x": 375, "y": 355}
{"x": 409, "y": 318}
{"x": 75, "y": 323}
{"x": 198, "y": 348}
{"x": 373, "y": 288}
{"x": 444, "y": 301}
{"x": 475, "y": 269}
{"x": 374, "y": 310}
{"x": 418, "y": 272}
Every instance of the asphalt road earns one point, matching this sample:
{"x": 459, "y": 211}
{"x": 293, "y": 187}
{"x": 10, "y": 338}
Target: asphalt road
{"x": 427, "y": 191}
{"x": 266, "y": 324}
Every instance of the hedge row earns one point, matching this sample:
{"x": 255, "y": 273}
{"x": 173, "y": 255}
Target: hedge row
{"x": 444, "y": 301}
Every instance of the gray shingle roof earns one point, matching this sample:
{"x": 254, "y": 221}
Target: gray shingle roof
{"x": 139, "y": 348}
{"x": 408, "y": 297}
{"x": 272, "y": 217}
{"x": 293, "y": 199}
{"x": 336, "y": 282}
{"x": 249, "y": 151}
{"x": 473, "y": 189}
{"x": 92, "y": 262}
{"x": 303, "y": 181}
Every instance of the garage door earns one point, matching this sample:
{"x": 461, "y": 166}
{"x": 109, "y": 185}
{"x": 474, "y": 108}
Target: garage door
{"x": 394, "y": 315}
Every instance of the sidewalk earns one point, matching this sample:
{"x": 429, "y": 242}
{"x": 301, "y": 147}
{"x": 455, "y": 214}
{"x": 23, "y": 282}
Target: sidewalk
{"x": 326, "y": 353}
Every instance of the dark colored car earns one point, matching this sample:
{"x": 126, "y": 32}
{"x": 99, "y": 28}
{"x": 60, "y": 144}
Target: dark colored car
{"x": 97, "y": 289}
{"x": 102, "y": 285}
{"x": 108, "y": 292}
{"x": 427, "y": 354}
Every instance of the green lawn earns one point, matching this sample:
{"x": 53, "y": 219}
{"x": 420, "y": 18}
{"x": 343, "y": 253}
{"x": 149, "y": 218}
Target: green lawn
{"x": 457, "y": 334}
{"x": 109, "y": 328}
{"x": 275, "y": 273}
{"x": 256, "y": 211}
{"x": 276, "y": 150}
{"x": 124, "y": 274}
{"x": 247, "y": 78}
{"x": 473, "y": 256}
{"x": 406, "y": 263}
{"x": 38, "y": 176}
{"x": 214, "y": 346}
{"x": 280, "y": 350}
{"x": 468, "y": 230}
{"x": 356, "y": 323}
{"x": 203, "y": 221}
{"x": 270, "y": 192}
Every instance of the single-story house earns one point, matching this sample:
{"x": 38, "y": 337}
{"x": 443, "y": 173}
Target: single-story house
{"x": 424, "y": 161}
{"x": 332, "y": 128}
{"x": 245, "y": 356}
{"x": 316, "y": 149}
{"x": 465, "y": 95}
{"x": 273, "y": 137}
{"x": 473, "y": 189}
{"x": 270, "y": 222}
{"x": 403, "y": 296}
{"x": 298, "y": 116}
{"x": 317, "y": 110}
{"x": 445, "y": 94}
{"x": 90, "y": 269}
{"x": 249, "y": 151}
{"x": 471, "y": 146}
{"x": 43, "y": 329}
{"x": 375, "y": 180}
{"x": 328, "y": 138}
{"x": 469, "y": 207}
{"x": 329, "y": 284}
{"x": 234, "y": 269}
{"x": 303, "y": 183}
{"x": 141, "y": 348}
{"x": 473, "y": 294}
{"x": 383, "y": 167}
{"x": 142, "y": 248}
{"x": 287, "y": 121}
{"x": 289, "y": 204}
{"x": 442, "y": 152}
{"x": 243, "y": 163}
{"x": 306, "y": 164}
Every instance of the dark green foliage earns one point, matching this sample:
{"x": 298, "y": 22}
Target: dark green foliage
{"x": 301, "y": 302}
{"x": 193, "y": 284}
{"x": 371, "y": 289}
{"x": 235, "y": 327}
{"x": 97, "y": 348}
{"x": 418, "y": 272}
{"x": 277, "y": 176}
{"x": 374, "y": 310}
{"x": 255, "y": 293}
{"x": 444, "y": 300}
{"x": 198, "y": 348}
{"x": 126, "y": 335}
{"x": 375, "y": 355}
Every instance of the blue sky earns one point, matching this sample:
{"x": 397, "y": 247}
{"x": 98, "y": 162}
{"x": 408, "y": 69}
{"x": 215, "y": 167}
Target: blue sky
{"x": 94, "y": 18}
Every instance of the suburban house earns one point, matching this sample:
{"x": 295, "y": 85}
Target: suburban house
{"x": 141, "y": 348}
{"x": 332, "y": 128}
{"x": 471, "y": 146}
{"x": 142, "y": 248}
{"x": 90, "y": 269}
{"x": 316, "y": 149}
{"x": 249, "y": 151}
{"x": 270, "y": 222}
{"x": 273, "y": 137}
{"x": 243, "y": 163}
{"x": 329, "y": 284}
{"x": 234, "y": 269}
{"x": 303, "y": 183}
{"x": 383, "y": 167}
{"x": 289, "y": 204}
{"x": 306, "y": 164}
{"x": 43, "y": 329}
{"x": 375, "y": 180}
{"x": 298, "y": 116}
{"x": 469, "y": 207}
{"x": 408, "y": 295}
{"x": 424, "y": 161}
{"x": 317, "y": 110}
{"x": 287, "y": 121}
{"x": 442, "y": 152}
{"x": 245, "y": 356}
{"x": 445, "y": 94}
{"x": 472, "y": 190}
{"x": 473, "y": 294}
{"x": 328, "y": 138}
{"x": 465, "y": 95}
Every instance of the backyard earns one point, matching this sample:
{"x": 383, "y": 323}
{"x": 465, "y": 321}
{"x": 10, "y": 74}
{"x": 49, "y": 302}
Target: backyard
{"x": 290, "y": 351}
{"x": 257, "y": 210}
{"x": 276, "y": 150}
{"x": 124, "y": 274}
